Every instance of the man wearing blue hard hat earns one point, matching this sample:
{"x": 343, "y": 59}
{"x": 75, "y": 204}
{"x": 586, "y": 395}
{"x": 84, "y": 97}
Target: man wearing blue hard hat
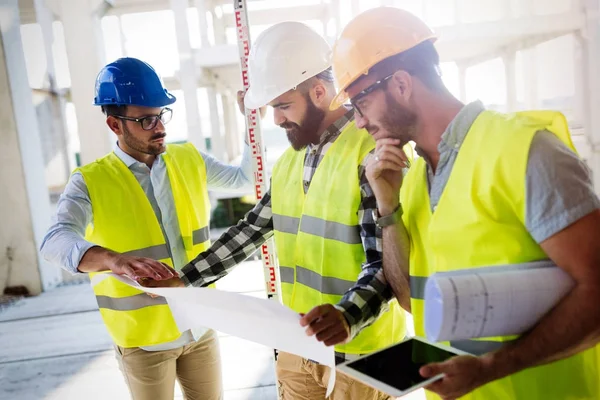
{"x": 140, "y": 211}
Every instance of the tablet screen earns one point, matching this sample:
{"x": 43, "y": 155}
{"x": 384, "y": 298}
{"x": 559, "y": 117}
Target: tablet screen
{"x": 398, "y": 366}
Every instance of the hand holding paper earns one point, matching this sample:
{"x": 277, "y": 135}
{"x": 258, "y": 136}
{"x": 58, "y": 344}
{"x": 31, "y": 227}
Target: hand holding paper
{"x": 259, "y": 320}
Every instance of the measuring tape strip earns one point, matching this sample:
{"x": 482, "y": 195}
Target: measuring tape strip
{"x": 256, "y": 144}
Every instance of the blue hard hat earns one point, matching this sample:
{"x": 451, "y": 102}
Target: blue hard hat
{"x": 129, "y": 81}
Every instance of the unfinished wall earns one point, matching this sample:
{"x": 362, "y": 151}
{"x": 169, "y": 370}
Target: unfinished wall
{"x": 25, "y": 206}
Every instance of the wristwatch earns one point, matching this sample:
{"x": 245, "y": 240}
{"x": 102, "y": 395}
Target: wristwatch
{"x": 389, "y": 219}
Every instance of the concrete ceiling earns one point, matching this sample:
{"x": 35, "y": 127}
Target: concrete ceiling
{"x": 465, "y": 43}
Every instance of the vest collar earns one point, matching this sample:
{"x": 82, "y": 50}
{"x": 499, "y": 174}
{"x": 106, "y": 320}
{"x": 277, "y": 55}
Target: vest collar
{"x": 456, "y": 132}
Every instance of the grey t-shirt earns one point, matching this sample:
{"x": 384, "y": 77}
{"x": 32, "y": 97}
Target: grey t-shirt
{"x": 559, "y": 189}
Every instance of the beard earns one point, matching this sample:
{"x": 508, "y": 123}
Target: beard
{"x": 398, "y": 121}
{"x": 302, "y": 134}
{"x": 143, "y": 147}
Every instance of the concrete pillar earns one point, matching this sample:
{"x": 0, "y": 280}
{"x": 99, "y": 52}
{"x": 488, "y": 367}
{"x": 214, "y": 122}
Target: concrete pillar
{"x": 336, "y": 14}
{"x": 201, "y": 8}
{"x": 122, "y": 37}
{"x": 25, "y": 211}
{"x": 85, "y": 54}
{"x": 187, "y": 74}
{"x": 510, "y": 71}
{"x": 530, "y": 78}
{"x": 355, "y": 8}
{"x": 230, "y": 110}
{"x": 217, "y": 137}
{"x": 57, "y": 100}
{"x": 581, "y": 80}
{"x": 591, "y": 63}
{"x": 457, "y": 13}
{"x": 218, "y": 25}
{"x": 462, "y": 82}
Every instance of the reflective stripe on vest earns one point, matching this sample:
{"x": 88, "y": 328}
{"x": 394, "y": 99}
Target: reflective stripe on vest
{"x": 125, "y": 222}
{"x": 318, "y": 227}
{"x": 417, "y": 287}
{"x": 158, "y": 252}
{"x": 323, "y": 284}
{"x": 129, "y": 303}
{"x": 201, "y": 235}
{"x": 317, "y": 234}
{"x": 480, "y": 220}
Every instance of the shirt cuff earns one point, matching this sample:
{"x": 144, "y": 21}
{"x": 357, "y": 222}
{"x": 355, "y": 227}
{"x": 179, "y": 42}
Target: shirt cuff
{"x": 354, "y": 328}
{"x": 79, "y": 249}
{"x": 191, "y": 271}
{"x": 185, "y": 280}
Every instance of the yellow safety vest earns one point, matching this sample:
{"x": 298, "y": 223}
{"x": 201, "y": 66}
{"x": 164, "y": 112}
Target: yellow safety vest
{"x": 480, "y": 221}
{"x": 317, "y": 235}
{"x": 125, "y": 222}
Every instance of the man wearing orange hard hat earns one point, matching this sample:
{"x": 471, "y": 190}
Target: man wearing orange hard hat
{"x": 488, "y": 189}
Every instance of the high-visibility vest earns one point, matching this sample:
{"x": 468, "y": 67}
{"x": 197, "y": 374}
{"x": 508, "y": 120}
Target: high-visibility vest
{"x": 124, "y": 221}
{"x": 480, "y": 221}
{"x": 317, "y": 235}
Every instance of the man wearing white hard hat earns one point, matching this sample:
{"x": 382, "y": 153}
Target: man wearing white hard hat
{"x": 320, "y": 209}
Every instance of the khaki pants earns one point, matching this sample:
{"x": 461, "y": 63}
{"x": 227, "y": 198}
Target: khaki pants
{"x": 301, "y": 379}
{"x": 150, "y": 375}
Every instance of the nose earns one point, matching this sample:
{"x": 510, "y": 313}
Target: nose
{"x": 278, "y": 117}
{"x": 160, "y": 127}
{"x": 361, "y": 120}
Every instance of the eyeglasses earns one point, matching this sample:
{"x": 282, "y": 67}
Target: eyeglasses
{"x": 370, "y": 89}
{"x": 148, "y": 123}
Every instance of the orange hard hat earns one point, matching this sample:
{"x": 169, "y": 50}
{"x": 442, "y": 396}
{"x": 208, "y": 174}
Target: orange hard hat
{"x": 371, "y": 37}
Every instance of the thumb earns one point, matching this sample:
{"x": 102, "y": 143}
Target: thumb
{"x": 431, "y": 370}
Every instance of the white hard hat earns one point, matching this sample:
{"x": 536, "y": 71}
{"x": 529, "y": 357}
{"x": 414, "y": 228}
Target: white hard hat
{"x": 282, "y": 57}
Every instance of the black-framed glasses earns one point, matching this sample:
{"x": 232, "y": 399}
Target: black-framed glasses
{"x": 370, "y": 89}
{"x": 149, "y": 122}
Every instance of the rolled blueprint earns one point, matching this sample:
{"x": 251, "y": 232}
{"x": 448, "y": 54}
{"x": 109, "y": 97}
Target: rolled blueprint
{"x": 492, "y": 301}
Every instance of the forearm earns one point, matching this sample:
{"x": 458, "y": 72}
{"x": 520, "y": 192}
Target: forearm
{"x": 97, "y": 259}
{"x": 396, "y": 251}
{"x": 64, "y": 244}
{"x": 365, "y": 302}
{"x": 572, "y": 326}
{"x": 226, "y": 177}
{"x": 233, "y": 247}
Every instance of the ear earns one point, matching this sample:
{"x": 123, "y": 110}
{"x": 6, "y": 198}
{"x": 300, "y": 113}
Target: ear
{"x": 318, "y": 93}
{"x": 401, "y": 86}
{"x": 114, "y": 125}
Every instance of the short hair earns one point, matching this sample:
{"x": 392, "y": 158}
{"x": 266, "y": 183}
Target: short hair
{"x": 421, "y": 61}
{"x": 112, "y": 109}
{"x": 325, "y": 76}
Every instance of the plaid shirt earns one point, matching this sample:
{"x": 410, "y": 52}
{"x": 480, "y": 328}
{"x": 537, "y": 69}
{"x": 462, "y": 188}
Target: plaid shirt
{"x": 361, "y": 304}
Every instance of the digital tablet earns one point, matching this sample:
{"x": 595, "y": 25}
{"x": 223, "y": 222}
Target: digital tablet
{"x": 395, "y": 369}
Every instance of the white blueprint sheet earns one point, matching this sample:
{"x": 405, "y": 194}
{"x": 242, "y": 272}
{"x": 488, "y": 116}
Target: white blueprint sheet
{"x": 260, "y": 320}
{"x": 493, "y": 301}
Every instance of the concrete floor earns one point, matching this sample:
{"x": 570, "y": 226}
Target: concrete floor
{"x": 54, "y": 346}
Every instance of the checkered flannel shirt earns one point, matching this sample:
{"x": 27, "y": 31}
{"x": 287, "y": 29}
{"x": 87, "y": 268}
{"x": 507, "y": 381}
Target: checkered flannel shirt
{"x": 361, "y": 304}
